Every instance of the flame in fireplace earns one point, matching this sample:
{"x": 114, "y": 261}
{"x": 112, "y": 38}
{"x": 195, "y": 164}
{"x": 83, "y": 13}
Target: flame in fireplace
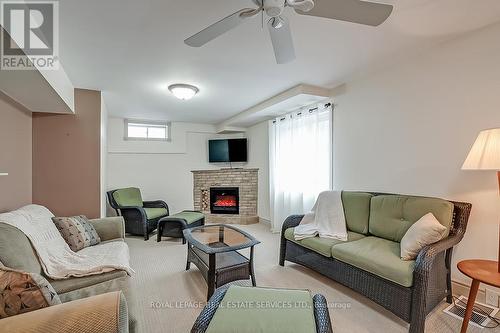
{"x": 225, "y": 201}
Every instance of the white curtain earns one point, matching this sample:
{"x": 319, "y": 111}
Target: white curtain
{"x": 300, "y": 151}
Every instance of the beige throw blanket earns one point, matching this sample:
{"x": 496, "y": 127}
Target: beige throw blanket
{"x": 57, "y": 259}
{"x": 326, "y": 218}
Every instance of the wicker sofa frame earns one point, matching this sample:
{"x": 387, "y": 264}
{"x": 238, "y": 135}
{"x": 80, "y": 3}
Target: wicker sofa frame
{"x": 431, "y": 276}
{"x": 136, "y": 221}
{"x": 321, "y": 315}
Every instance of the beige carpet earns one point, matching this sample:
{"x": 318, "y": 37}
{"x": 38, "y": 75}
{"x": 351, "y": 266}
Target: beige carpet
{"x": 163, "y": 297}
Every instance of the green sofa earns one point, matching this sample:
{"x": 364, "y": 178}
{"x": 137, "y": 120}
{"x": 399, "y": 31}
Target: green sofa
{"x": 369, "y": 261}
{"x": 16, "y": 252}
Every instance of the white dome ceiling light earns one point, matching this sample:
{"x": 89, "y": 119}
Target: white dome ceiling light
{"x": 183, "y": 91}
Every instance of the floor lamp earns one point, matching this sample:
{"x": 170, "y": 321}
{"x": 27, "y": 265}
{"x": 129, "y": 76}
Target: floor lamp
{"x": 485, "y": 155}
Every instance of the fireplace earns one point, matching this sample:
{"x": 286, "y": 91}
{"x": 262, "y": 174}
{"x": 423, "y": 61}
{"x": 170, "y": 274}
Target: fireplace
{"x": 224, "y": 200}
{"x": 245, "y": 180}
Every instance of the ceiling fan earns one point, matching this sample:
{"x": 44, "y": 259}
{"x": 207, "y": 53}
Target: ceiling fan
{"x": 356, "y": 11}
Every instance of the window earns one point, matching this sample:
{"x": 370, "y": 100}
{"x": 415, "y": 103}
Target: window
{"x": 300, "y": 161}
{"x": 147, "y": 130}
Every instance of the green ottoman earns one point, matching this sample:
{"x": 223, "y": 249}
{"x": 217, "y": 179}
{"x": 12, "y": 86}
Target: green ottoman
{"x": 173, "y": 225}
{"x": 251, "y": 310}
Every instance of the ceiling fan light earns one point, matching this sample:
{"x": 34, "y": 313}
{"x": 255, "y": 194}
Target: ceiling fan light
{"x": 277, "y": 22}
{"x": 302, "y": 5}
{"x": 183, "y": 91}
{"x": 274, "y": 8}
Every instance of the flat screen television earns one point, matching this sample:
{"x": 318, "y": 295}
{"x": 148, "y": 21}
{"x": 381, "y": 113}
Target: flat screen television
{"x": 229, "y": 150}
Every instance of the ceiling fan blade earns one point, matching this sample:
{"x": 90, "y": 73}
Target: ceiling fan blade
{"x": 282, "y": 42}
{"x": 219, "y": 28}
{"x": 356, "y": 11}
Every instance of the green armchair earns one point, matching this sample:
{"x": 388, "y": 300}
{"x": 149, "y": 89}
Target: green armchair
{"x": 141, "y": 217}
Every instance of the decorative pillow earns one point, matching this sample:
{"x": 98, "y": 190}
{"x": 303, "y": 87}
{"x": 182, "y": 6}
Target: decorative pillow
{"x": 424, "y": 232}
{"x": 77, "y": 231}
{"x": 22, "y": 292}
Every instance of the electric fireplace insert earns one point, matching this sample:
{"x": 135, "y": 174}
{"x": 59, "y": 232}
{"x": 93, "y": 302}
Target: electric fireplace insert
{"x": 224, "y": 200}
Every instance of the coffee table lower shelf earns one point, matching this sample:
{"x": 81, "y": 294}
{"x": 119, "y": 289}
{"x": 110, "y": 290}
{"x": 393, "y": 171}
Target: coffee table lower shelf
{"x": 219, "y": 269}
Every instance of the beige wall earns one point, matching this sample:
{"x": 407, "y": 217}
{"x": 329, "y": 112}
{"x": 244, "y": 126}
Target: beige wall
{"x": 408, "y": 129}
{"x": 104, "y": 156}
{"x": 66, "y": 158}
{"x": 258, "y": 157}
{"x": 15, "y": 155}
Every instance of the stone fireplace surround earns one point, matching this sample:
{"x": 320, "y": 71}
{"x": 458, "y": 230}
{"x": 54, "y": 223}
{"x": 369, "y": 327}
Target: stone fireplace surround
{"x": 245, "y": 179}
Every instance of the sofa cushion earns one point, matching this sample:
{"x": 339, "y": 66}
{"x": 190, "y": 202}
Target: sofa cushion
{"x": 357, "y": 210}
{"x": 128, "y": 197}
{"x": 72, "y": 284}
{"x": 378, "y": 256}
{"x": 16, "y": 251}
{"x": 424, "y": 232}
{"x": 392, "y": 215}
{"x": 154, "y": 213}
{"x": 22, "y": 292}
{"x": 321, "y": 245}
{"x": 109, "y": 228}
{"x": 252, "y": 310}
{"x": 77, "y": 231}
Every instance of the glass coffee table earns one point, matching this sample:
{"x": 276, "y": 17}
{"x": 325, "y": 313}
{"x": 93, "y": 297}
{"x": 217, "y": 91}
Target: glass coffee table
{"x": 214, "y": 250}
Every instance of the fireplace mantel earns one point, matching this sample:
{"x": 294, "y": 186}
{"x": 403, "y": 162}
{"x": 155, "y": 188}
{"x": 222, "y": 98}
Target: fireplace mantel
{"x": 245, "y": 180}
{"x": 225, "y": 170}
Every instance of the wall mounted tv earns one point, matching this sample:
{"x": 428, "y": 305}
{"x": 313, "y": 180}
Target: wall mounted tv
{"x": 230, "y": 150}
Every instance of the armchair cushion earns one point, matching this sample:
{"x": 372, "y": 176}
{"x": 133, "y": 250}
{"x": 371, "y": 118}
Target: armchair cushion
{"x": 128, "y": 197}
{"x": 378, "y": 256}
{"x": 22, "y": 292}
{"x": 392, "y": 215}
{"x": 154, "y": 213}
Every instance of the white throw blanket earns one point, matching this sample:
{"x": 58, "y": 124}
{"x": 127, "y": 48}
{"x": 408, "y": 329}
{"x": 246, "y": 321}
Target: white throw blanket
{"x": 326, "y": 218}
{"x": 57, "y": 259}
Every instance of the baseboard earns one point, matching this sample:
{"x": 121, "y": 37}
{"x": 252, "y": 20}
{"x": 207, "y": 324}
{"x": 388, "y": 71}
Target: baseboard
{"x": 460, "y": 288}
{"x": 265, "y": 221}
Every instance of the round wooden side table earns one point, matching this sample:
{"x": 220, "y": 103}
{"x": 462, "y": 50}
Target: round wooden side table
{"x": 480, "y": 271}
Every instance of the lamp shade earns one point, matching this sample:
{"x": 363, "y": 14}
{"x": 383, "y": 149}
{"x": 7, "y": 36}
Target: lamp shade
{"x": 485, "y": 153}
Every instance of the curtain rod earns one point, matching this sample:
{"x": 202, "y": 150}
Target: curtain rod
{"x": 327, "y": 105}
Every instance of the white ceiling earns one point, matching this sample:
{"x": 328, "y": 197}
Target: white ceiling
{"x": 132, "y": 50}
